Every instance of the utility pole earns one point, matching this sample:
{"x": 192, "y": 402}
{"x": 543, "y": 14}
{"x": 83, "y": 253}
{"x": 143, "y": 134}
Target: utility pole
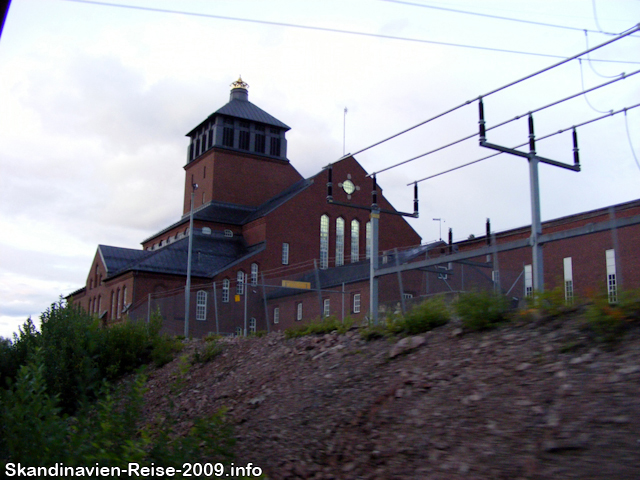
{"x": 187, "y": 289}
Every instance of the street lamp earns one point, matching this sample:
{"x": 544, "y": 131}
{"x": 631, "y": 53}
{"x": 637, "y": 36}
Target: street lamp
{"x": 187, "y": 293}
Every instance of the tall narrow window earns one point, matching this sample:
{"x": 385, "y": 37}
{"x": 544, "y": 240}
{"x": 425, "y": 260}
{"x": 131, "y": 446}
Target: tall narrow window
{"x": 299, "y": 311}
{"x": 528, "y": 281}
{"x": 275, "y": 147}
{"x": 276, "y": 315}
{"x": 368, "y": 234}
{"x": 612, "y": 283}
{"x": 259, "y": 143}
{"x": 112, "y": 315}
{"x": 226, "y": 284}
{"x": 118, "y": 304}
{"x": 201, "y": 305}
{"x": 355, "y": 241}
{"x": 252, "y": 325}
{"x": 254, "y": 274}
{"x": 324, "y": 241}
{"x": 240, "y": 284}
{"x": 285, "y": 254}
{"x": 326, "y": 307}
{"x": 568, "y": 280}
{"x": 124, "y": 299}
{"x": 227, "y": 133}
{"x": 339, "y": 241}
{"x": 356, "y": 303}
{"x": 243, "y": 140}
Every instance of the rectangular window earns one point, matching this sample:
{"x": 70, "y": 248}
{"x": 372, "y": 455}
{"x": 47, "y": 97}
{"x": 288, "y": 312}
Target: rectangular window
{"x": 225, "y": 290}
{"x": 612, "y": 283}
{"x": 324, "y": 241}
{"x": 260, "y": 143}
{"x": 356, "y": 303}
{"x": 201, "y": 305}
{"x": 528, "y": 281}
{"x": 240, "y": 284}
{"x": 285, "y": 254}
{"x": 252, "y": 325}
{"x": 326, "y": 307}
{"x": 495, "y": 278}
{"x": 568, "y": 280}
{"x": 299, "y": 311}
{"x": 407, "y": 296}
{"x": 243, "y": 140}
{"x": 227, "y": 136}
{"x": 276, "y": 315}
{"x": 275, "y": 147}
{"x": 254, "y": 274}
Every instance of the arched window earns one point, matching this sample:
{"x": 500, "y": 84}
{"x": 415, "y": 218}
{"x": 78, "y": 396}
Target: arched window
{"x": 355, "y": 240}
{"x": 368, "y": 234}
{"x": 124, "y": 299}
{"x": 226, "y": 284}
{"x": 118, "y": 304}
{"x": 99, "y": 304}
{"x": 240, "y": 284}
{"x": 112, "y": 314}
{"x": 254, "y": 274}
{"x": 339, "y": 241}
{"x": 201, "y": 305}
{"x": 324, "y": 241}
{"x": 252, "y": 325}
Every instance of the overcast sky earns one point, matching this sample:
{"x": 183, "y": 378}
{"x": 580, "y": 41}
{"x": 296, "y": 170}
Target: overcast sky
{"x": 96, "y": 101}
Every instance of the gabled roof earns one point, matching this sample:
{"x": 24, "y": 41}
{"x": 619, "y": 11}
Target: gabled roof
{"x": 211, "y": 254}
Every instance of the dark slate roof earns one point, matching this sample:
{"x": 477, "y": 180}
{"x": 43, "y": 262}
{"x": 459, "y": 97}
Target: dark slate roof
{"x": 116, "y": 258}
{"x": 211, "y": 254}
{"x": 247, "y": 111}
{"x": 223, "y": 213}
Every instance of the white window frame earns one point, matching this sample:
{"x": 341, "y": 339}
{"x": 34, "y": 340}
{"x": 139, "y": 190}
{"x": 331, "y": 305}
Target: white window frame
{"x": 568, "y": 280}
{"x": 285, "y": 254}
{"x": 612, "y": 282}
{"x": 356, "y": 303}
{"x": 226, "y": 286}
{"x": 326, "y": 307}
{"x": 240, "y": 283}
{"x": 528, "y": 281}
{"x": 253, "y": 325}
{"x": 254, "y": 274}
{"x": 324, "y": 241}
{"x": 299, "y": 311}
{"x": 238, "y": 331}
{"x": 201, "y": 305}
{"x": 276, "y": 315}
{"x": 339, "y": 241}
{"x": 355, "y": 240}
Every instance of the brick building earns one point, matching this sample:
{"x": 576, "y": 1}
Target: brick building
{"x": 258, "y": 222}
{"x": 253, "y": 213}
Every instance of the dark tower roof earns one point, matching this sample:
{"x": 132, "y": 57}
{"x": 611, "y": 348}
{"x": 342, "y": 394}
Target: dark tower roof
{"x": 239, "y": 106}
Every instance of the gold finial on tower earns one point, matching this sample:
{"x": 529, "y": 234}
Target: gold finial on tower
{"x": 239, "y": 84}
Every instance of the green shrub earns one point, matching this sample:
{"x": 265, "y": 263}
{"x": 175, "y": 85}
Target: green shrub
{"x": 610, "y": 321}
{"x": 552, "y": 302}
{"x": 327, "y": 325}
{"x": 210, "y": 351}
{"x": 426, "y": 316}
{"x": 165, "y": 348}
{"x": 482, "y": 310}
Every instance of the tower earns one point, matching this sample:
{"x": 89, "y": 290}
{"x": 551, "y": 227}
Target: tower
{"x": 238, "y": 154}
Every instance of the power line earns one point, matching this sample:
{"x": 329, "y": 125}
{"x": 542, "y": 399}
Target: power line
{"x": 334, "y": 30}
{"x": 497, "y": 17}
{"x": 508, "y": 85}
{"x": 593, "y": 120}
{"x": 633, "y": 152}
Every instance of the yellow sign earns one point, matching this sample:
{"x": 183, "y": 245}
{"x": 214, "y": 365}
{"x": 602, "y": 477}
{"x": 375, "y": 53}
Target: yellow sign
{"x": 294, "y": 284}
{"x": 237, "y": 298}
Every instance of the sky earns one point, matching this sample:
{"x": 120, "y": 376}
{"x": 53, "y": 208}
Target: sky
{"x": 96, "y": 101}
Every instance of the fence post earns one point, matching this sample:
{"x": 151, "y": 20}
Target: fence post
{"x": 215, "y": 308}
{"x": 343, "y": 293}
{"x": 246, "y": 294}
{"x": 266, "y": 307}
{"x": 614, "y": 239}
{"x": 404, "y": 310}
{"x": 315, "y": 265}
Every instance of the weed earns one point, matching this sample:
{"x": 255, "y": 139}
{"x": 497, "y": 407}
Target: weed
{"x": 327, "y": 325}
{"x": 426, "y": 316}
{"x": 482, "y": 310}
{"x": 211, "y": 350}
{"x": 609, "y": 321}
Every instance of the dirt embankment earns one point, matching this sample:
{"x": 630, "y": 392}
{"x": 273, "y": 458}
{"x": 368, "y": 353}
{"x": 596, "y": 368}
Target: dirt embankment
{"x": 526, "y": 401}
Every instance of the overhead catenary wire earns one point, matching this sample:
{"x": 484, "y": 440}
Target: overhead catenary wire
{"x": 622, "y": 76}
{"x": 558, "y": 132}
{"x": 330, "y": 30}
{"x": 633, "y": 151}
{"x": 492, "y": 92}
{"x": 497, "y": 17}
{"x": 593, "y": 69}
